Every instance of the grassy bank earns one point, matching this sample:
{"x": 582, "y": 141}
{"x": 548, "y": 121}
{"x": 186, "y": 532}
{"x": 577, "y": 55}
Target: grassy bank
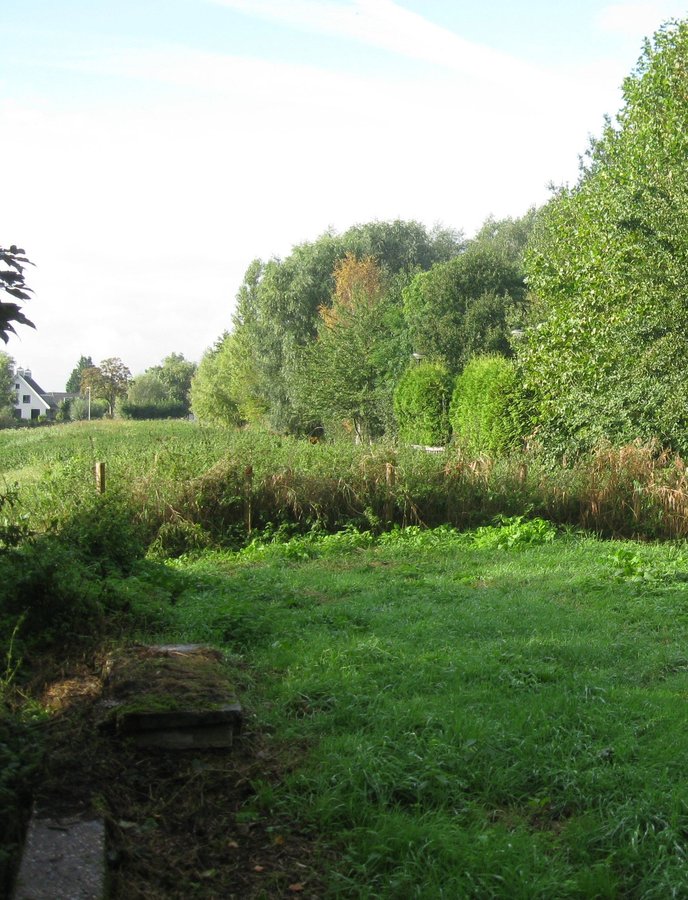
{"x": 491, "y": 712}
{"x": 475, "y": 715}
{"x": 189, "y": 486}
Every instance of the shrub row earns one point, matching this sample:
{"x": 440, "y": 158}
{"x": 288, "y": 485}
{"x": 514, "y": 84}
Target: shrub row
{"x": 482, "y": 410}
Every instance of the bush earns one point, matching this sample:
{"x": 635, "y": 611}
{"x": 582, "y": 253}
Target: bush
{"x": 485, "y": 406}
{"x": 421, "y": 404}
{"x": 78, "y": 408}
{"x": 161, "y": 409}
{"x": 64, "y": 585}
{"x": 177, "y": 538}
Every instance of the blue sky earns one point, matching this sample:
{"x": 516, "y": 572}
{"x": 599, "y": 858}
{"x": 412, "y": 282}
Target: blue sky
{"x": 152, "y": 149}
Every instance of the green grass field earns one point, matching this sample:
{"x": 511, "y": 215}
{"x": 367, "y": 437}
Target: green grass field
{"x": 473, "y": 720}
{"x": 497, "y": 712}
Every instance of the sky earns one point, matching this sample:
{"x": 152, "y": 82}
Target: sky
{"x": 151, "y": 149}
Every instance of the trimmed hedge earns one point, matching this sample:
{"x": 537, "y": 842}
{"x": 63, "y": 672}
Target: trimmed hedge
{"x": 163, "y": 409}
{"x": 421, "y": 404}
{"x": 485, "y": 407}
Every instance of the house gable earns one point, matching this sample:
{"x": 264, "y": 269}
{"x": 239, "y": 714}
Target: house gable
{"x": 30, "y": 401}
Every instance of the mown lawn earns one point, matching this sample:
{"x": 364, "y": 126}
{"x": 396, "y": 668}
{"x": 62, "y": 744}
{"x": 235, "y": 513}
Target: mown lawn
{"x": 471, "y": 718}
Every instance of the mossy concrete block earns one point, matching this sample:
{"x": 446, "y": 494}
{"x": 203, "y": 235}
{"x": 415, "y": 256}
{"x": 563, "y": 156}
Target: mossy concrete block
{"x": 155, "y": 720}
{"x": 209, "y": 737}
{"x": 64, "y": 857}
{"x": 173, "y": 696}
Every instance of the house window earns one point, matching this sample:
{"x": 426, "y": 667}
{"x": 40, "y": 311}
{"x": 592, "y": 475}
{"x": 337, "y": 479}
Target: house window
{"x": 26, "y": 398}
{"x": 35, "y": 413}
{"x": 16, "y": 387}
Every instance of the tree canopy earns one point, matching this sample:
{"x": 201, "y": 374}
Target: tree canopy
{"x": 107, "y": 381}
{"x": 467, "y": 305}
{"x": 608, "y": 266}
{"x": 279, "y": 304}
{"x": 73, "y": 385}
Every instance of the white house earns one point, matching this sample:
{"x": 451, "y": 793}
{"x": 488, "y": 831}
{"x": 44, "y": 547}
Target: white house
{"x": 31, "y": 401}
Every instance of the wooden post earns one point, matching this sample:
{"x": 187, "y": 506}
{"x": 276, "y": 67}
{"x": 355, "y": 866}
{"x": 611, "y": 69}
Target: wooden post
{"x": 100, "y": 477}
{"x": 390, "y": 481}
{"x": 248, "y": 495}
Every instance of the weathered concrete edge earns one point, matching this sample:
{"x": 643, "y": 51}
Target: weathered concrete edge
{"x": 64, "y": 856}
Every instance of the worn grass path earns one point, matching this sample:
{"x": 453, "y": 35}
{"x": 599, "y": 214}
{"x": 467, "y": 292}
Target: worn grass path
{"x": 479, "y": 715}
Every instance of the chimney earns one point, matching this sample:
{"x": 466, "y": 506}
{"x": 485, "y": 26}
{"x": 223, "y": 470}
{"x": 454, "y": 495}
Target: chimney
{"x": 27, "y": 373}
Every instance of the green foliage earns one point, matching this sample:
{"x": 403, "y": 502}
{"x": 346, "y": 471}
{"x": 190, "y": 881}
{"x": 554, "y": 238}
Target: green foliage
{"x": 342, "y": 378}
{"x": 175, "y": 374}
{"x": 468, "y": 305}
{"x": 603, "y": 355}
{"x": 13, "y": 529}
{"x": 73, "y": 385}
{"x": 421, "y": 404}
{"x": 178, "y": 538}
{"x": 146, "y": 390}
{"x": 13, "y": 262}
{"x": 7, "y": 394}
{"x": 160, "y": 409}
{"x": 79, "y": 408}
{"x": 485, "y": 406}
{"x": 161, "y": 392}
{"x": 278, "y": 307}
{"x": 512, "y": 532}
{"x": 212, "y": 395}
{"x": 65, "y": 583}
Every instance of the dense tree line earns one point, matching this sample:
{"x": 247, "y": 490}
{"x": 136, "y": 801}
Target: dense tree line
{"x": 562, "y": 329}
{"x": 322, "y": 338}
{"x": 559, "y": 330}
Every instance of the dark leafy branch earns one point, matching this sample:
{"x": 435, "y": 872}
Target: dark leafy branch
{"x": 13, "y": 261}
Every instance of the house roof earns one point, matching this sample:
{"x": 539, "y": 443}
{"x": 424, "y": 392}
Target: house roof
{"x": 51, "y": 398}
{"x": 59, "y": 396}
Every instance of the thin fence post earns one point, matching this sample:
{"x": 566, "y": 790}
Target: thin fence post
{"x": 248, "y": 498}
{"x": 100, "y": 477}
{"x": 390, "y": 481}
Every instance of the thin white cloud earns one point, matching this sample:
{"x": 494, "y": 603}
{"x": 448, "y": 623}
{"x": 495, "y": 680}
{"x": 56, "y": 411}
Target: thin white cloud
{"x": 385, "y": 24}
{"x": 637, "y": 20}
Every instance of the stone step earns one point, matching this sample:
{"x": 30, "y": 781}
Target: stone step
{"x": 63, "y": 859}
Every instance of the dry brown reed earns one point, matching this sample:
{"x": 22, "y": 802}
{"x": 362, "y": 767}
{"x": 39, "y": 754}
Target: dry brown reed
{"x": 638, "y": 490}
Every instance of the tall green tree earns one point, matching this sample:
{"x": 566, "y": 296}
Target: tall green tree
{"x": 108, "y": 381}
{"x": 176, "y": 372}
{"x": 604, "y": 354}
{"x": 73, "y": 385}
{"x": 212, "y": 399}
{"x": 469, "y": 304}
{"x": 7, "y": 394}
{"x": 340, "y": 378}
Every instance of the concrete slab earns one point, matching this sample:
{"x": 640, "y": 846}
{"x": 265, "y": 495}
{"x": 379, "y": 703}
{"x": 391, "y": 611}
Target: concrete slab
{"x": 171, "y": 696}
{"x": 64, "y": 857}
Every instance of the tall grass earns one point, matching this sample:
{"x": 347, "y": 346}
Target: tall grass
{"x": 220, "y": 485}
